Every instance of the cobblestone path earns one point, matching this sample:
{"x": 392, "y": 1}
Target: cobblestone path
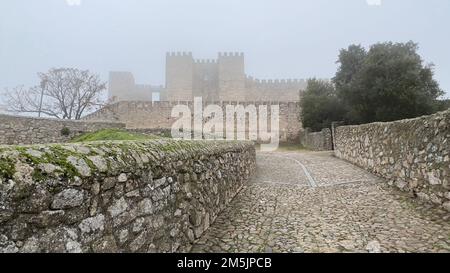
{"x": 314, "y": 202}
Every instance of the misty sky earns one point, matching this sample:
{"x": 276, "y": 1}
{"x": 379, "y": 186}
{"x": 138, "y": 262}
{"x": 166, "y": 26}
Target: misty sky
{"x": 281, "y": 39}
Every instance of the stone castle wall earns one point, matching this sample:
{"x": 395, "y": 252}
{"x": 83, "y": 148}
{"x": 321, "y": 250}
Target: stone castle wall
{"x": 144, "y": 196}
{"x": 122, "y": 87}
{"x": 231, "y": 84}
{"x": 206, "y": 79}
{"x": 412, "y": 154}
{"x": 222, "y": 79}
{"x": 179, "y": 76}
{"x": 317, "y": 141}
{"x": 157, "y": 115}
{"x": 27, "y": 130}
{"x": 274, "y": 90}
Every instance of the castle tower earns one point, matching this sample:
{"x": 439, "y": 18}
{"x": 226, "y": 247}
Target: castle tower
{"x": 206, "y": 79}
{"x": 179, "y": 76}
{"x": 231, "y": 76}
{"x": 121, "y": 85}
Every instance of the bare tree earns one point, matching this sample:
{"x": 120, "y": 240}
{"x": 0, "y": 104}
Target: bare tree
{"x": 64, "y": 93}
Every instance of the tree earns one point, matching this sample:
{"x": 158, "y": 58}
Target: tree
{"x": 351, "y": 61}
{"x": 389, "y": 82}
{"x": 320, "y": 105}
{"x": 442, "y": 105}
{"x": 63, "y": 93}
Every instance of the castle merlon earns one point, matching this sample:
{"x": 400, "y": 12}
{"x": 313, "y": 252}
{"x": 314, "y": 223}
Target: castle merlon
{"x": 231, "y": 54}
{"x": 205, "y": 61}
{"x": 277, "y": 82}
{"x": 179, "y": 54}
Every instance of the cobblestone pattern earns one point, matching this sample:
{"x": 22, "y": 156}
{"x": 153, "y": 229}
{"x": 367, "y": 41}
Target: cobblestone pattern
{"x": 327, "y": 170}
{"x": 15, "y": 130}
{"x": 129, "y": 196}
{"x": 338, "y": 214}
{"x": 413, "y": 154}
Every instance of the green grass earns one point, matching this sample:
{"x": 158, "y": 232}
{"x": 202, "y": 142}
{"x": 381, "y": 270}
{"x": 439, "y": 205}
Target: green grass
{"x": 111, "y": 134}
{"x": 288, "y": 147}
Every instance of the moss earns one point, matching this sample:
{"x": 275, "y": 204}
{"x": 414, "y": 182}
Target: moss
{"x": 166, "y": 134}
{"x": 28, "y": 158}
{"x": 7, "y": 168}
{"x": 111, "y": 134}
{"x": 58, "y": 157}
{"x": 123, "y": 151}
{"x": 38, "y": 175}
{"x": 65, "y": 131}
{"x": 290, "y": 147}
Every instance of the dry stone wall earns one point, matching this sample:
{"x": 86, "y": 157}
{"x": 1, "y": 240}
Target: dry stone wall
{"x": 157, "y": 115}
{"x": 317, "y": 141}
{"x": 128, "y": 196}
{"x": 27, "y": 130}
{"x": 413, "y": 154}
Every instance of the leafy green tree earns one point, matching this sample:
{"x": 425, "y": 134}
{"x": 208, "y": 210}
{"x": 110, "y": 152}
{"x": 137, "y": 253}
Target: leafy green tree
{"x": 442, "y": 105}
{"x": 351, "y": 61}
{"x": 320, "y": 105}
{"x": 388, "y": 82}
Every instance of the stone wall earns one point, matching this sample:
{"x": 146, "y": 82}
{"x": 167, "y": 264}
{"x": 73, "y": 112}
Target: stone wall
{"x": 317, "y": 141}
{"x": 413, "y": 154}
{"x": 206, "y": 80}
{"x": 274, "y": 90}
{"x": 26, "y": 130}
{"x": 122, "y": 86}
{"x": 132, "y": 196}
{"x": 157, "y": 115}
{"x": 231, "y": 67}
{"x": 179, "y": 76}
{"x": 220, "y": 79}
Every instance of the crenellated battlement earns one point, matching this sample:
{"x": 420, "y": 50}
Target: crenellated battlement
{"x": 179, "y": 54}
{"x": 205, "y": 61}
{"x": 231, "y": 54}
{"x": 276, "y": 83}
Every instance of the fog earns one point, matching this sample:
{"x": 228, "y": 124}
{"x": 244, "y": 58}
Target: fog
{"x": 281, "y": 39}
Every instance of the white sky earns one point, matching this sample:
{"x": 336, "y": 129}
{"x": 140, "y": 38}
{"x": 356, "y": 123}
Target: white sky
{"x": 280, "y": 38}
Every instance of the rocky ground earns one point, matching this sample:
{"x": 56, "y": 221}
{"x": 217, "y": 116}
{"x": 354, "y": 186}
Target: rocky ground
{"x": 314, "y": 202}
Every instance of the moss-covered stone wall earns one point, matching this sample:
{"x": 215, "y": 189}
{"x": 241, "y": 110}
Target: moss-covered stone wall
{"x": 123, "y": 196}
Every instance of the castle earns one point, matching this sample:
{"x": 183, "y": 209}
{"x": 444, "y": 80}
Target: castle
{"x": 223, "y": 79}
{"x": 220, "y": 82}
